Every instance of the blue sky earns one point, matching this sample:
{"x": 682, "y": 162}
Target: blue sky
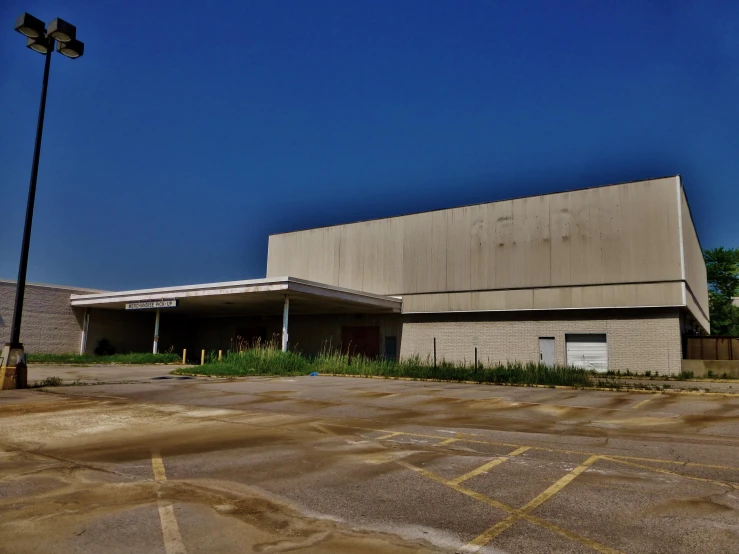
{"x": 190, "y": 131}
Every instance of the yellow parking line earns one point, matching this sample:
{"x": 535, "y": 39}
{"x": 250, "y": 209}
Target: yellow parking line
{"x": 640, "y": 404}
{"x": 559, "y": 485}
{"x": 488, "y": 466}
{"x": 170, "y": 530}
{"x": 470, "y": 547}
{"x": 660, "y": 470}
{"x": 595, "y": 545}
{"x": 388, "y": 436}
{"x": 158, "y": 466}
{"x": 501, "y": 526}
{"x": 542, "y": 448}
{"x": 323, "y": 429}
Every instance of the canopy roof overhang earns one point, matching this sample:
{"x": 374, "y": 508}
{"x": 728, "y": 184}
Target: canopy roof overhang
{"x": 252, "y": 297}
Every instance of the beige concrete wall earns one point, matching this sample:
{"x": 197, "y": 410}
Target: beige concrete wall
{"x": 718, "y": 368}
{"x": 606, "y": 296}
{"x": 695, "y": 267}
{"x": 638, "y": 340}
{"x": 49, "y": 325}
{"x": 617, "y": 234}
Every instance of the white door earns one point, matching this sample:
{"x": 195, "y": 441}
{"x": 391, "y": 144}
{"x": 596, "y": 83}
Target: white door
{"x": 587, "y": 352}
{"x": 546, "y": 350}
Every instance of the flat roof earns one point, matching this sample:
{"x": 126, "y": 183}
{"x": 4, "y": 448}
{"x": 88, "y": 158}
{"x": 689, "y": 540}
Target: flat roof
{"x": 250, "y": 297}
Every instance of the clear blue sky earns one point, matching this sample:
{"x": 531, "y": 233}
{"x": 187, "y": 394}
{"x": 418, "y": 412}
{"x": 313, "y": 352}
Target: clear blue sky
{"x": 190, "y": 131}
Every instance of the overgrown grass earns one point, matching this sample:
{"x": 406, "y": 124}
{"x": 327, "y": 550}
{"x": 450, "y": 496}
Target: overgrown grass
{"x": 48, "y": 382}
{"x": 132, "y": 358}
{"x": 266, "y": 360}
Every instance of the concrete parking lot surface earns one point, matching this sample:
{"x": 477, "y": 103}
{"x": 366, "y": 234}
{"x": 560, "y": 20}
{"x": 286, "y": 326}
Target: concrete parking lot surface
{"x": 330, "y": 464}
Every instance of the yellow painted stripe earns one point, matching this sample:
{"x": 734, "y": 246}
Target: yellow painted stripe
{"x": 447, "y": 441}
{"x": 389, "y": 435}
{"x": 640, "y": 404}
{"x": 543, "y": 449}
{"x": 498, "y": 528}
{"x": 660, "y": 470}
{"x": 481, "y": 540}
{"x": 322, "y": 428}
{"x": 559, "y": 485}
{"x": 595, "y": 545}
{"x": 459, "y": 488}
{"x": 488, "y": 466}
{"x": 158, "y": 466}
{"x": 170, "y": 530}
{"x": 514, "y": 513}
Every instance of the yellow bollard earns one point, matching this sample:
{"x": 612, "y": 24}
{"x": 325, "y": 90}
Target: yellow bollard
{"x": 202, "y": 357}
{"x": 220, "y": 355}
{"x": 184, "y": 355}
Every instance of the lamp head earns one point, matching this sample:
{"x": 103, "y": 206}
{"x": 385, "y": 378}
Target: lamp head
{"x": 30, "y": 26}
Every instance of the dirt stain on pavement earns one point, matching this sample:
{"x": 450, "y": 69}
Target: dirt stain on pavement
{"x": 52, "y": 520}
{"x": 690, "y": 507}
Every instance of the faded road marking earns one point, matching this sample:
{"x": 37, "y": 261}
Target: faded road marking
{"x": 668, "y": 472}
{"x": 542, "y": 448}
{"x": 640, "y": 404}
{"x": 158, "y": 466}
{"x": 488, "y": 466}
{"x": 447, "y": 441}
{"x": 518, "y": 514}
{"x": 170, "y": 530}
{"x": 322, "y": 429}
{"x": 388, "y": 436}
{"x": 501, "y": 526}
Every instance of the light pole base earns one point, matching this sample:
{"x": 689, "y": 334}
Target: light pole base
{"x": 13, "y": 369}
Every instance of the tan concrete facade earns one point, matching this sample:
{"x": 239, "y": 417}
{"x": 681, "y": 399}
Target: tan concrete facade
{"x": 617, "y": 246}
{"x": 50, "y": 324}
{"x": 638, "y": 340}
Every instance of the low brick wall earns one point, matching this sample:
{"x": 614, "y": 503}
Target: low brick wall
{"x": 50, "y": 325}
{"x": 638, "y": 340}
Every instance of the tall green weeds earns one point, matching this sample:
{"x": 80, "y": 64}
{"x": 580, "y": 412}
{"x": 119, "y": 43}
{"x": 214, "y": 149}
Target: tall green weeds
{"x": 133, "y": 358}
{"x": 265, "y": 359}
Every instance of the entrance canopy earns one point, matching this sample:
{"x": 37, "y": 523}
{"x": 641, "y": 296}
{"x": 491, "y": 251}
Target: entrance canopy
{"x": 255, "y": 296}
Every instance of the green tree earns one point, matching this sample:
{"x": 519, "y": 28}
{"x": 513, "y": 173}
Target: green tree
{"x": 722, "y": 267}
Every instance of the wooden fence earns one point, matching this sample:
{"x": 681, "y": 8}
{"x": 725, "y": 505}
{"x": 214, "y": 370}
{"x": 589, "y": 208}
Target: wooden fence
{"x": 712, "y": 348}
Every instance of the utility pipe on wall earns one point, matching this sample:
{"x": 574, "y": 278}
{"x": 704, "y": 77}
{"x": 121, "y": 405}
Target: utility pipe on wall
{"x": 85, "y": 327}
{"x": 285, "y": 312}
{"x": 156, "y": 334}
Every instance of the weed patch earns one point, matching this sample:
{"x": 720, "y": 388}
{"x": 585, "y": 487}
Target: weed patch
{"x": 87, "y": 359}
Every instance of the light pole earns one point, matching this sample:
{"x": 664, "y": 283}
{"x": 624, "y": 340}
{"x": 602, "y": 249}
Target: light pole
{"x": 13, "y": 373}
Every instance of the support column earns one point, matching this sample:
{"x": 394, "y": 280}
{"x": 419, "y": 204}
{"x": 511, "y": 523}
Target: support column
{"x": 285, "y": 311}
{"x": 85, "y": 329}
{"x": 156, "y": 334}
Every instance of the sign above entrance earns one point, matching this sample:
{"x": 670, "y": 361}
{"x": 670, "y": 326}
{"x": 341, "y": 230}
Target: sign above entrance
{"x": 151, "y": 304}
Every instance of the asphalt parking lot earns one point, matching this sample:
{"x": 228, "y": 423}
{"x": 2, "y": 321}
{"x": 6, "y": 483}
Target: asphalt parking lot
{"x": 152, "y": 463}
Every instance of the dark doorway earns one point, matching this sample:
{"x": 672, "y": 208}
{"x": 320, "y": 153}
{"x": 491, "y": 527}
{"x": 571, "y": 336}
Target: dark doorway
{"x": 391, "y": 348}
{"x": 247, "y": 337}
{"x": 361, "y": 341}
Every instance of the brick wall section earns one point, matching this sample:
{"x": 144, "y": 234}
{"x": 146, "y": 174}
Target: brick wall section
{"x": 49, "y": 325}
{"x": 638, "y": 340}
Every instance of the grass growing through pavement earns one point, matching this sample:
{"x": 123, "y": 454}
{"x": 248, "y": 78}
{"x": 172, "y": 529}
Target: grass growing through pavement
{"x": 133, "y": 358}
{"x": 267, "y": 360}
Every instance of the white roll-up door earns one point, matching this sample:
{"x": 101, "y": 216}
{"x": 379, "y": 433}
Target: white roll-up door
{"x": 587, "y": 351}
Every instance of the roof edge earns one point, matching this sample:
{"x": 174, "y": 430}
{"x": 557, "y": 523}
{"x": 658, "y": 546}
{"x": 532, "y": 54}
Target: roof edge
{"x": 480, "y": 204}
